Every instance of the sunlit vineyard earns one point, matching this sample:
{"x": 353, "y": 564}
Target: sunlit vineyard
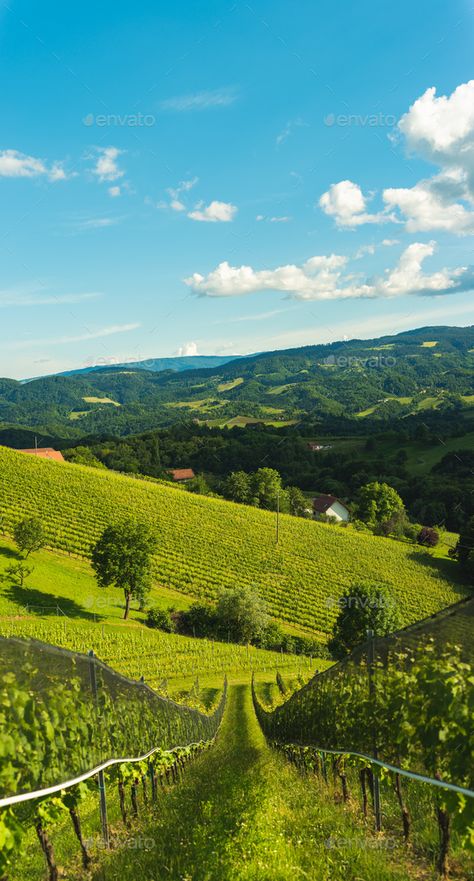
{"x": 204, "y": 544}
{"x": 155, "y": 656}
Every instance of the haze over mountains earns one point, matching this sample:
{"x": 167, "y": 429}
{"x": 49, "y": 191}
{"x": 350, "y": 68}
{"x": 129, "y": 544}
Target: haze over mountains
{"x": 387, "y": 377}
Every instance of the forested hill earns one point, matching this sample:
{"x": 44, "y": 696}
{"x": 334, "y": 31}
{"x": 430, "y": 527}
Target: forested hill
{"x": 386, "y": 378}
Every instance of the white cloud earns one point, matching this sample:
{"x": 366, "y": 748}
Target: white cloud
{"x": 114, "y": 192}
{"x": 16, "y": 164}
{"x": 200, "y": 100}
{"x": 432, "y": 205}
{"x": 288, "y": 130}
{"x": 96, "y": 223}
{"x": 323, "y": 278}
{"x": 111, "y": 330}
{"x": 188, "y": 349}
{"x": 389, "y": 243}
{"x": 38, "y": 296}
{"x": 277, "y": 219}
{"x": 215, "y": 212}
{"x": 176, "y": 203}
{"x": 106, "y": 167}
{"x": 440, "y": 129}
{"x": 363, "y": 251}
{"x": 346, "y": 203}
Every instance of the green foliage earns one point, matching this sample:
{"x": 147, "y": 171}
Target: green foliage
{"x": 367, "y": 606}
{"x": 241, "y": 615}
{"x": 160, "y": 619}
{"x": 29, "y": 535}
{"x": 121, "y": 557}
{"x": 297, "y": 502}
{"x": 378, "y": 503}
{"x": 82, "y": 455}
{"x": 238, "y": 487}
{"x": 418, "y": 713}
{"x": 465, "y": 546}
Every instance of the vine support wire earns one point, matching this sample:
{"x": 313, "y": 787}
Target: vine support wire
{"x": 101, "y": 775}
{"x": 375, "y": 778}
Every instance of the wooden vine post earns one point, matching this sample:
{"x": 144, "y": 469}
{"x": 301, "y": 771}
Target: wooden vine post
{"x": 376, "y": 780}
{"x": 101, "y": 776}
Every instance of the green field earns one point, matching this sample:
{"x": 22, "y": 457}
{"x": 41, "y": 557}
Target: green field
{"x": 204, "y": 544}
{"x": 62, "y": 604}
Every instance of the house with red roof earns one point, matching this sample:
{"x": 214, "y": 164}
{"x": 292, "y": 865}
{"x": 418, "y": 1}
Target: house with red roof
{"x": 330, "y": 506}
{"x": 45, "y": 453}
{"x": 181, "y": 475}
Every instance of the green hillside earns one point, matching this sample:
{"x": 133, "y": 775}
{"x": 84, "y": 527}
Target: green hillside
{"x": 390, "y": 377}
{"x": 204, "y": 544}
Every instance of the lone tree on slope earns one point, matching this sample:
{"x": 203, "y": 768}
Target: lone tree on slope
{"x": 121, "y": 557}
{"x": 29, "y": 535}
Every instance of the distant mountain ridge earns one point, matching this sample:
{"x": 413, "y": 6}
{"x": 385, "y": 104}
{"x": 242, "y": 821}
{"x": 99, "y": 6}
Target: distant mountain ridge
{"x": 155, "y": 365}
{"x": 386, "y": 378}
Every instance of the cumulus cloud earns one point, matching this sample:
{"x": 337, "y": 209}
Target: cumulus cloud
{"x": 440, "y": 129}
{"x": 106, "y": 167}
{"x": 200, "y": 100}
{"x": 346, "y": 203}
{"x": 188, "y": 349}
{"x": 16, "y": 164}
{"x": 215, "y": 212}
{"x": 114, "y": 192}
{"x": 324, "y": 278}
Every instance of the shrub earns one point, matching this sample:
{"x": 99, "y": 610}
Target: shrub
{"x": 160, "y": 619}
{"x": 365, "y": 606}
{"x": 428, "y": 537}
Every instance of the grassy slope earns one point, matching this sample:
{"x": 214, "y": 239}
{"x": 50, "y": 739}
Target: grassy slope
{"x": 90, "y": 618}
{"x": 422, "y": 456}
{"x": 204, "y": 544}
{"x": 243, "y": 814}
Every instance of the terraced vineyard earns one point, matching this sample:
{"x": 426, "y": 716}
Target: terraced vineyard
{"x": 204, "y": 544}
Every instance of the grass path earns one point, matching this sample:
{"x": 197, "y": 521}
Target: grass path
{"x": 244, "y": 814}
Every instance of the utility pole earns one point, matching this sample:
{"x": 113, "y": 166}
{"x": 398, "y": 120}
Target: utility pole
{"x": 36, "y": 445}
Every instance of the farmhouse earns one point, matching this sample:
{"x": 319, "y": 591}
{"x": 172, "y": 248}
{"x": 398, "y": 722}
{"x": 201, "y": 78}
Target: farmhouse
{"x": 45, "y": 453}
{"x": 330, "y": 506}
{"x": 181, "y": 475}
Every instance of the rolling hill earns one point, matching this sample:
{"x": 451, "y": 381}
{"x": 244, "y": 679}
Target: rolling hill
{"x": 386, "y": 378}
{"x": 204, "y": 544}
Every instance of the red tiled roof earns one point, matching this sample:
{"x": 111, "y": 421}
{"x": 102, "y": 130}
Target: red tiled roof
{"x": 182, "y": 473}
{"x": 322, "y": 503}
{"x": 45, "y": 453}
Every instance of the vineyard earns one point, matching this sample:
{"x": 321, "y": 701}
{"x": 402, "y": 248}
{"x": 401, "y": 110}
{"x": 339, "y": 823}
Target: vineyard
{"x": 204, "y": 544}
{"x": 402, "y": 704}
{"x": 154, "y": 655}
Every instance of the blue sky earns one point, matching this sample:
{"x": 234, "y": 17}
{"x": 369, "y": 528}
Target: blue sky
{"x": 230, "y": 177}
